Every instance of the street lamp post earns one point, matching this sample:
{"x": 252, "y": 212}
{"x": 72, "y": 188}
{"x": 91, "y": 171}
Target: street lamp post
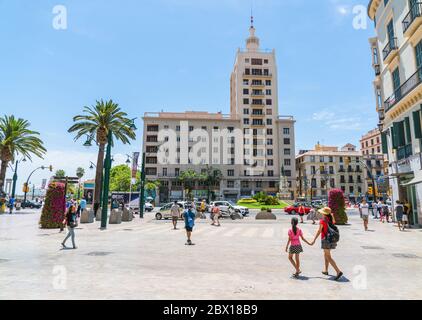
{"x": 142, "y": 190}
{"x": 15, "y": 177}
{"x": 27, "y": 181}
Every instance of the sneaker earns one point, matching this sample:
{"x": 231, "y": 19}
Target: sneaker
{"x": 63, "y": 245}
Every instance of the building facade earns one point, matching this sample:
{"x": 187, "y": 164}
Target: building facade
{"x": 251, "y": 146}
{"x": 326, "y": 168}
{"x": 376, "y": 164}
{"x": 397, "y": 61}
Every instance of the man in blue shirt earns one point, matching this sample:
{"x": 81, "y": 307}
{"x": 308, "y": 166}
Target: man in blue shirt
{"x": 189, "y": 217}
{"x": 11, "y": 204}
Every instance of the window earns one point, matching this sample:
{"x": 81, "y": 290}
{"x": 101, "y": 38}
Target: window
{"x": 247, "y": 71}
{"x": 153, "y": 128}
{"x": 257, "y": 62}
{"x": 259, "y": 184}
{"x": 246, "y": 121}
{"x": 152, "y": 138}
{"x": 286, "y": 130}
{"x": 245, "y": 82}
{"x": 230, "y": 184}
{"x": 230, "y": 173}
{"x": 287, "y": 162}
{"x": 245, "y": 91}
{"x": 270, "y": 162}
{"x": 269, "y": 152}
{"x": 269, "y": 112}
{"x": 396, "y": 83}
{"x": 247, "y": 60}
{"x": 269, "y": 142}
{"x": 265, "y": 61}
{"x": 269, "y": 122}
{"x": 268, "y": 92}
{"x": 151, "y": 171}
{"x": 178, "y": 128}
{"x": 164, "y": 172}
{"x": 269, "y": 132}
{"x": 287, "y": 152}
{"x": 246, "y": 111}
{"x": 268, "y": 102}
{"x": 271, "y": 184}
{"x": 191, "y": 128}
{"x": 287, "y": 141}
{"x": 245, "y": 101}
{"x": 268, "y": 82}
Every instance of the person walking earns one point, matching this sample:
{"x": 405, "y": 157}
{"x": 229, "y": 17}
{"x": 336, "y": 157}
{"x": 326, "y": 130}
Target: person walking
{"x": 189, "y": 217}
{"x": 364, "y": 213}
{"x": 11, "y": 205}
{"x": 385, "y": 213}
{"x": 328, "y": 243}
{"x": 406, "y": 213}
{"x": 203, "y": 208}
{"x": 301, "y": 212}
{"x": 71, "y": 222}
{"x": 378, "y": 213}
{"x": 175, "y": 214}
{"x": 399, "y": 210}
{"x": 216, "y": 213}
{"x": 294, "y": 247}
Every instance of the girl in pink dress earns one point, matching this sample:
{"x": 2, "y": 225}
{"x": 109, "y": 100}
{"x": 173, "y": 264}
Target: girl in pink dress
{"x": 295, "y": 234}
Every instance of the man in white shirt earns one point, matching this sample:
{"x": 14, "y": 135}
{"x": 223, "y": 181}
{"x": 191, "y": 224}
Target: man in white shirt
{"x": 175, "y": 214}
{"x": 364, "y": 213}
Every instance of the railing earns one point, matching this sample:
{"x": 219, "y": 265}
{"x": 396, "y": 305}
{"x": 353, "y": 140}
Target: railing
{"x": 404, "y": 152}
{"x": 392, "y": 45}
{"x": 414, "y": 13}
{"x": 403, "y": 90}
{"x": 377, "y": 68}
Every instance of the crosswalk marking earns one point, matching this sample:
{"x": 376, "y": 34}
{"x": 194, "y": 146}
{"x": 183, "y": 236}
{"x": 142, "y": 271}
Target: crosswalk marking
{"x": 232, "y": 232}
{"x": 250, "y": 233}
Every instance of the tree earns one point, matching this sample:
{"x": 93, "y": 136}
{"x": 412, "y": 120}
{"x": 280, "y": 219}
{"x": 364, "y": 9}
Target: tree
{"x": 120, "y": 179}
{"x": 98, "y": 121}
{"x": 54, "y": 208}
{"x": 212, "y": 177}
{"x": 60, "y": 174}
{"x": 188, "y": 179}
{"x": 16, "y": 138}
{"x": 338, "y": 206}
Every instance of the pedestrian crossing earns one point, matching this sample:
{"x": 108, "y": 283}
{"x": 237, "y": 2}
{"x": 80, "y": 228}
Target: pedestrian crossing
{"x": 226, "y": 231}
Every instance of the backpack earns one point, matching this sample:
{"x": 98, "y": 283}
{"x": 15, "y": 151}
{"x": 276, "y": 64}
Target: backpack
{"x": 399, "y": 209}
{"x": 385, "y": 210}
{"x": 333, "y": 234}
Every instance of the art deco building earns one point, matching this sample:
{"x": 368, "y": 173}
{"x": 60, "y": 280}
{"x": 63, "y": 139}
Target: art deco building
{"x": 397, "y": 61}
{"x": 255, "y": 143}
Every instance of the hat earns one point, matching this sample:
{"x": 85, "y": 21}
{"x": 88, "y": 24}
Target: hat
{"x": 325, "y": 211}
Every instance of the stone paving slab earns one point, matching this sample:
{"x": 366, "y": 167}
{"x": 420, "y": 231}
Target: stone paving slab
{"x": 243, "y": 259}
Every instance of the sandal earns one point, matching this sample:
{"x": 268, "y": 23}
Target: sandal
{"x": 325, "y": 273}
{"x": 338, "y": 276}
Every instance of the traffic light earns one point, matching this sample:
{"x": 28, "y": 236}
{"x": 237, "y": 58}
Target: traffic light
{"x": 25, "y": 188}
{"x": 50, "y": 168}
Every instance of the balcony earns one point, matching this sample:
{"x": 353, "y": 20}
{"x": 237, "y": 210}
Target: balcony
{"x": 258, "y": 85}
{"x": 404, "y": 152}
{"x": 390, "y": 51}
{"x": 262, "y": 75}
{"x": 403, "y": 90}
{"x": 412, "y": 20}
{"x": 377, "y": 69}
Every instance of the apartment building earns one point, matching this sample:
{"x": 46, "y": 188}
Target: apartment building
{"x": 326, "y": 168}
{"x": 397, "y": 61}
{"x": 250, "y": 146}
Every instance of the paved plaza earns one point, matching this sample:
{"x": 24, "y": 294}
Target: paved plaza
{"x": 146, "y": 259}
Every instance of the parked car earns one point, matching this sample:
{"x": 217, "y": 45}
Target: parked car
{"x": 295, "y": 209}
{"x": 226, "y": 205}
{"x": 134, "y": 205}
{"x": 31, "y": 204}
{"x": 165, "y": 213}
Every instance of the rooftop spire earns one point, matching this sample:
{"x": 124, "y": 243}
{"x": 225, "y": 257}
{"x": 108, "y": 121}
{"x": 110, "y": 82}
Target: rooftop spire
{"x": 252, "y": 43}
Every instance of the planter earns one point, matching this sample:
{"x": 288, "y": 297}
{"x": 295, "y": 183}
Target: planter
{"x": 98, "y": 215}
{"x": 127, "y": 215}
{"x": 266, "y": 215}
{"x": 115, "y": 217}
{"x": 87, "y": 216}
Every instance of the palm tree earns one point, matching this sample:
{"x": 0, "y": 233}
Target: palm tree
{"x": 98, "y": 121}
{"x": 188, "y": 179}
{"x": 80, "y": 172}
{"x": 16, "y": 138}
{"x": 60, "y": 174}
{"x": 211, "y": 177}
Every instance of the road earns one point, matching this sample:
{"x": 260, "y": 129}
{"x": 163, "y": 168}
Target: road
{"x": 244, "y": 259}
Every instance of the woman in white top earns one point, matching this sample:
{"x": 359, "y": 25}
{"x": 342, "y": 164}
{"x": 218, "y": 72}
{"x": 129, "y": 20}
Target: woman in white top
{"x": 364, "y": 213}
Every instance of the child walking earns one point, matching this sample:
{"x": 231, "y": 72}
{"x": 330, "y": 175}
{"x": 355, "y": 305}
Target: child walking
{"x": 295, "y": 234}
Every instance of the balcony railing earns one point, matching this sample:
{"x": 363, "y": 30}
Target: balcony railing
{"x": 403, "y": 90}
{"x": 414, "y": 13}
{"x": 377, "y": 68}
{"x": 392, "y": 45}
{"x": 404, "y": 152}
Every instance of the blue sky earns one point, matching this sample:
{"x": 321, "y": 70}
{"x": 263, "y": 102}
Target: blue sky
{"x": 177, "y": 55}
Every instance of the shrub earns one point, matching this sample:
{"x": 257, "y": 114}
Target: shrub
{"x": 338, "y": 206}
{"x": 54, "y": 209}
{"x": 260, "y": 196}
{"x": 271, "y": 201}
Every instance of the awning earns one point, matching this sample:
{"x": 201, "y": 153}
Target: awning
{"x": 416, "y": 180}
